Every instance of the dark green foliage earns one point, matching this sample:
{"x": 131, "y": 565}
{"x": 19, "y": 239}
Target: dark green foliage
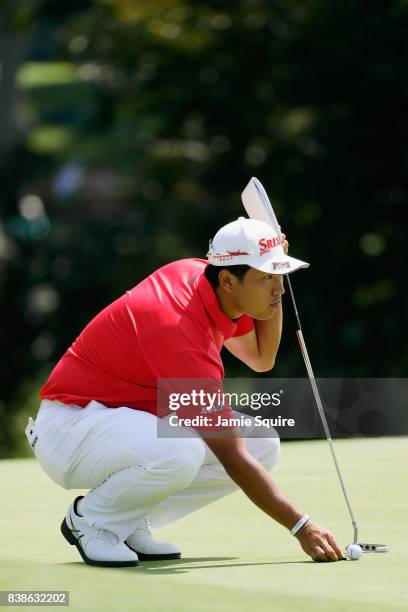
{"x": 160, "y": 112}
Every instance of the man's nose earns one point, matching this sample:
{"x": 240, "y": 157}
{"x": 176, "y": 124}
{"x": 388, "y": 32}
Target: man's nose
{"x": 278, "y": 289}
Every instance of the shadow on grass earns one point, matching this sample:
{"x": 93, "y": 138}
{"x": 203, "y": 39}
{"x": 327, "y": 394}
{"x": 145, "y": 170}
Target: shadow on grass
{"x": 181, "y": 566}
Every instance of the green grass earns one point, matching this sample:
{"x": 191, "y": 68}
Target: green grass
{"x": 234, "y": 556}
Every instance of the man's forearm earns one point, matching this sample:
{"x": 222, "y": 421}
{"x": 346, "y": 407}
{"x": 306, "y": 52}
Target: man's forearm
{"x": 268, "y": 335}
{"x": 257, "y": 484}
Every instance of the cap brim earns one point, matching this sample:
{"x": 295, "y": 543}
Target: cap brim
{"x": 281, "y": 265}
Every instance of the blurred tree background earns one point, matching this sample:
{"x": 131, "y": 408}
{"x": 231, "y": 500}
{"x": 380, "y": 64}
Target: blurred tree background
{"x": 128, "y": 130}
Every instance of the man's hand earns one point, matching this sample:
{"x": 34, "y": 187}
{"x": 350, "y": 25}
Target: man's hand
{"x": 285, "y": 243}
{"x": 258, "y": 485}
{"x": 319, "y": 543}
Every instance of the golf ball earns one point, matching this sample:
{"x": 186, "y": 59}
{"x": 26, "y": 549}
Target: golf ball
{"x": 354, "y": 552}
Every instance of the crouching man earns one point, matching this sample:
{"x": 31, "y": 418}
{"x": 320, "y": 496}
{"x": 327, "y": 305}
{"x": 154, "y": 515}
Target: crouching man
{"x": 96, "y": 428}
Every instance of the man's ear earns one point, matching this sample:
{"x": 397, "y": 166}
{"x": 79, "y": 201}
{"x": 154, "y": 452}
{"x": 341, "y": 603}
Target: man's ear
{"x": 226, "y": 280}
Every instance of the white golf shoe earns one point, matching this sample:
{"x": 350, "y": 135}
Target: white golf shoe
{"x": 96, "y": 546}
{"x": 147, "y": 548}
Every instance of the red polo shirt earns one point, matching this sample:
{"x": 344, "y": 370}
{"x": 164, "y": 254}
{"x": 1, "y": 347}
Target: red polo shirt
{"x": 169, "y": 326}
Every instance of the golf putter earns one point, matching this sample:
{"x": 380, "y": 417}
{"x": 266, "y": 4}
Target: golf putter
{"x": 258, "y": 206}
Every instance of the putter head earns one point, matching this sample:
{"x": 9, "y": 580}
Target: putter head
{"x": 372, "y": 548}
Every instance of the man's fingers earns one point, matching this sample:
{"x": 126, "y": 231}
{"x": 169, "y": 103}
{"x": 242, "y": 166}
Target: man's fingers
{"x": 331, "y": 553}
{"x": 319, "y": 554}
{"x": 331, "y": 549}
{"x": 335, "y": 546}
{"x": 324, "y": 551}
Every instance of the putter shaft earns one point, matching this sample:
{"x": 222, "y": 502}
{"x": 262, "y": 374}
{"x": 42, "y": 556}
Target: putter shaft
{"x": 320, "y": 407}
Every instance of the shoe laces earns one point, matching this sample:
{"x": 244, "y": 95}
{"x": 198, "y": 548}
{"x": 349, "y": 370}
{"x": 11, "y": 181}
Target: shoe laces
{"x": 106, "y": 536}
{"x": 144, "y": 525}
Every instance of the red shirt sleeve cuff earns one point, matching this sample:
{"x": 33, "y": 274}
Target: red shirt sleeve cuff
{"x": 245, "y": 324}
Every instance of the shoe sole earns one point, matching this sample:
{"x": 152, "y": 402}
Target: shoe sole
{"x": 71, "y": 539}
{"x": 146, "y": 557}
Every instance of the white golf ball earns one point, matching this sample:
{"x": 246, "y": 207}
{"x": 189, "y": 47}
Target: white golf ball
{"x": 354, "y": 552}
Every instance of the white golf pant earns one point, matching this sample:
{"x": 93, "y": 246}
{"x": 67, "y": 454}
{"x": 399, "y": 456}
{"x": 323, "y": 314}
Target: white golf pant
{"x": 130, "y": 471}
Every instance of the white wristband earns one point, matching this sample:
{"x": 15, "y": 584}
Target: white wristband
{"x": 300, "y": 524}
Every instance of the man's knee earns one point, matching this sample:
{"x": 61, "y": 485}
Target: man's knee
{"x": 187, "y": 459}
{"x": 265, "y": 450}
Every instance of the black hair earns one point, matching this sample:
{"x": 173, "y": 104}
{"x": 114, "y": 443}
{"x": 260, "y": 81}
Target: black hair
{"x": 211, "y": 273}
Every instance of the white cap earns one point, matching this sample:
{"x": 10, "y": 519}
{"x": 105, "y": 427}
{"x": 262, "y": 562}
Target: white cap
{"x": 254, "y": 243}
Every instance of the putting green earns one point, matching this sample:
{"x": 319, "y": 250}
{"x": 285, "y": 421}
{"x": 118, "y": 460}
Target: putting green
{"x": 234, "y": 556}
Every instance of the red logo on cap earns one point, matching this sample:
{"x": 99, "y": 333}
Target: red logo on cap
{"x": 267, "y": 244}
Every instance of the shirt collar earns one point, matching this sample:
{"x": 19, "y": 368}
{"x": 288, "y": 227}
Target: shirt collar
{"x": 212, "y": 306}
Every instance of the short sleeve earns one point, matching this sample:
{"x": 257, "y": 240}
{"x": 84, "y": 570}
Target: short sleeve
{"x": 245, "y": 324}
